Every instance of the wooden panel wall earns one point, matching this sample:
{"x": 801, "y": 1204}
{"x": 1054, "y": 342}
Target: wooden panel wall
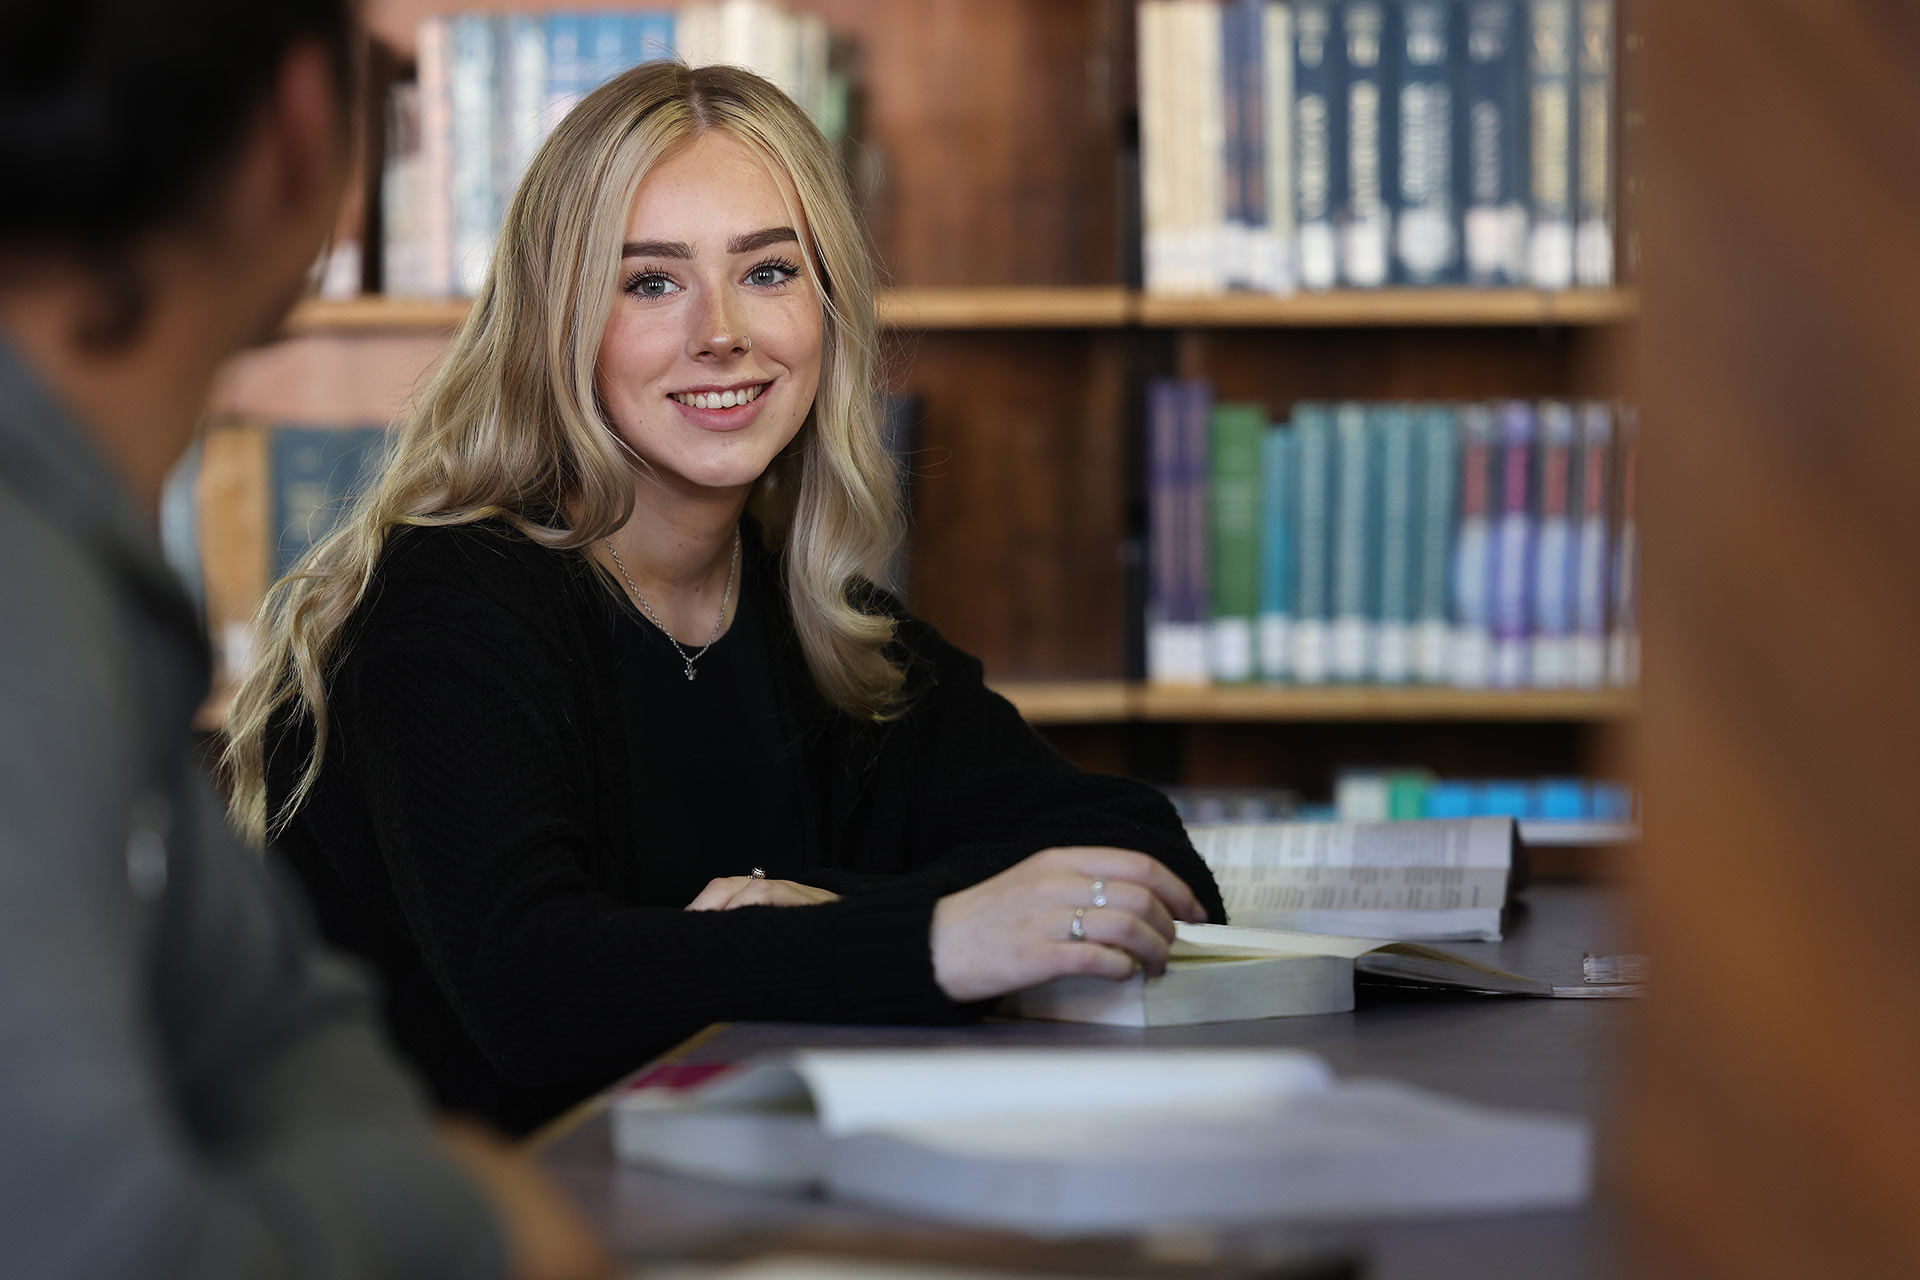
{"x": 1775, "y": 1116}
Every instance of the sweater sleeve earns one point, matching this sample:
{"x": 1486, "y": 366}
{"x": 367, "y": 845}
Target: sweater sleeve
{"x": 988, "y": 791}
{"x": 469, "y": 766}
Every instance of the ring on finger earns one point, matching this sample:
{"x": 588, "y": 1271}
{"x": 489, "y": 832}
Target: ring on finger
{"x": 1078, "y": 929}
{"x": 1099, "y": 893}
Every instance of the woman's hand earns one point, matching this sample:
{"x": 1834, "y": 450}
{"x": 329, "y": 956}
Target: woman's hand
{"x": 1016, "y": 929}
{"x": 728, "y": 892}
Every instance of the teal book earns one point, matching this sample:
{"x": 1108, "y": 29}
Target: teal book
{"x": 1437, "y": 439}
{"x": 1355, "y": 544}
{"x": 1233, "y": 509}
{"x": 1313, "y": 568}
{"x": 1278, "y": 499}
{"x": 316, "y": 472}
{"x": 1397, "y": 518}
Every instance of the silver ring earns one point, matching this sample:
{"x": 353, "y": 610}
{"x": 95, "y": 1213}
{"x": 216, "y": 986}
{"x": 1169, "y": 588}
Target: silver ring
{"x": 1099, "y": 893}
{"x": 1078, "y": 930}
{"x": 749, "y": 338}
{"x": 759, "y": 874}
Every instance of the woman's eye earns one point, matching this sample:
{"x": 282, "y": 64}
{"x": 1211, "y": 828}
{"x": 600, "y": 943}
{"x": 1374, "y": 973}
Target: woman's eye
{"x": 768, "y": 275}
{"x": 651, "y": 285}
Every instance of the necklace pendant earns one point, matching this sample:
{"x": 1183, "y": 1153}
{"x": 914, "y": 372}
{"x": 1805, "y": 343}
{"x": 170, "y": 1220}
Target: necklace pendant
{"x": 691, "y": 673}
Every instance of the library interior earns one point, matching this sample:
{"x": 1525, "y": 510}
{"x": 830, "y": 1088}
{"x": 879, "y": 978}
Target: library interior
{"x": 1175, "y": 792}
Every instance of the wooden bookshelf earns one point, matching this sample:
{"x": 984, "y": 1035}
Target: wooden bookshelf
{"x": 1120, "y": 701}
{"x": 1090, "y": 307}
{"x": 1071, "y": 701}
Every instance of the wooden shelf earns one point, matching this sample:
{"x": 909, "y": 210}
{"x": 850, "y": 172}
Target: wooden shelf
{"x": 1110, "y": 702}
{"x": 1105, "y": 307}
{"x": 1071, "y": 701}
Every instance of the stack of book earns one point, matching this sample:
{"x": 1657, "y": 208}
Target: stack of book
{"x": 1323, "y": 143}
{"x": 1481, "y": 545}
{"x": 1412, "y": 794}
{"x": 492, "y": 86}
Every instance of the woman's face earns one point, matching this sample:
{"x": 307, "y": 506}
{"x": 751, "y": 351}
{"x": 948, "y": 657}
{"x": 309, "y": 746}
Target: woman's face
{"x": 712, "y": 350}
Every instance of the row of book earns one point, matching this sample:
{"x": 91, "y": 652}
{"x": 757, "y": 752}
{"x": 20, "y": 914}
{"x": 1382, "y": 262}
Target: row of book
{"x": 1482, "y": 545}
{"x": 1319, "y": 143}
{"x": 1404, "y": 795}
{"x": 491, "y": 86}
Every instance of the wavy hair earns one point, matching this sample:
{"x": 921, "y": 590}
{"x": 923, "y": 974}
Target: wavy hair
{"x": 510, "y": 427}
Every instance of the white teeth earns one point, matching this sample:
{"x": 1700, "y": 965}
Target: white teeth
{"x": 727, "y": 400}
{"x": 719, "y": 399}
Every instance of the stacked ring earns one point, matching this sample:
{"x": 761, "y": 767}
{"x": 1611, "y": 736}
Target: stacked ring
{"x": 1078, "y": 930}
{"x": 1099, "y": 893}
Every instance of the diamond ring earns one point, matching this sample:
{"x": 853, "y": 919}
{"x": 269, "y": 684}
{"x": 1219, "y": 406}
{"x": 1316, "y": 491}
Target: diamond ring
{"x": 1078, "y": 930}
{"x": 1099, "y": 893}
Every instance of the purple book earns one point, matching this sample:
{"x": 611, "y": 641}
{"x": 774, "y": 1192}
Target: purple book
{"x": 1513, "y": 546}
{"x": 1164, "y": 525}
{"x": 1196, "y": 411}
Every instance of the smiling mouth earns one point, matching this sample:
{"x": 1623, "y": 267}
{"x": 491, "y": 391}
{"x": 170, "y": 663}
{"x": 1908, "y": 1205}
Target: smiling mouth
{"x": 718, "y": 399}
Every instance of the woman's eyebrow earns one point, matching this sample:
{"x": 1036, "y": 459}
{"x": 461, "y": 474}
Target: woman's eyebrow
{"x": 746, "y": 243}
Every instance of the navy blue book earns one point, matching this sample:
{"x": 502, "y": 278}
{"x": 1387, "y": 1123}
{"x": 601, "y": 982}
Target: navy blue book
{"x": 1243, "y": 40}
{"x": 1319, "y": 141}
{"x": 317, "y": 471}
{"x": 1365, "y": 212}
{"x": 1552, "y": 162}
{"x": 1493, "y": 142}
{"x": 1426, "y": 221}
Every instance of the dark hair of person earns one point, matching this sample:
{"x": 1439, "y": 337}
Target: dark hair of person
{"x": 118, "y": 117}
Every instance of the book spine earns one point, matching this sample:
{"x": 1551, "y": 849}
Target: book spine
{"x": 472, "y": 40}
{"x": 435, "y": 55}
{"x": 1355, "y": 608}
{"x": 1439, "y": 472}
{"x": 1550, "y": 258}
{"x": 403, "y": 198}
{"x": 1623, "y": 640}
{"x": 1514, "y": 546}
{"x": 1156, "y": 146}
{"x": 1164, "y": 557}
{"x": 1189, "y": 136}
{"x": 1277, "y": 91}
{"x": 1398, "y": 527}
{"x": 1259, "y": 270}
{"x": 1426, "y": 224}
{"x": 1367, "y": 222}
{"x": 1313, "y": 608}
{"x": 1196, "y": 405}
{"x": 1473, "y": 551}
{"x": 1234, "y": 514}
{"x": 1233, "y": 229}
{"x": 523, "y": 100}
{"x": 1590, "y": 591}
{"x": 1551, "y": 663}
{"x": 1277, "y": 533}
{"x": 1210, "y": 157}
{"x": 1319, "y": 146}
{"x": 1593, "y": 237}
{"x": 1493, "y": 144}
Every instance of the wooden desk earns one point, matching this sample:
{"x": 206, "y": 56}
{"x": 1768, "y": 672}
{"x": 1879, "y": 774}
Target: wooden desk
{"x": 1552, "y": 1055}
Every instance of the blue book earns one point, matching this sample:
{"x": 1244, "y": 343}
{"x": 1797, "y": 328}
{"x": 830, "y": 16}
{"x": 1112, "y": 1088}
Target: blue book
{"x": 1426, "y": 228}
{"x": 473, "y": 76}
{"x": 1550, "y": 664}
{"x": 1438, "y": 469}
{"x": 1365, "y": 211}
{"x": 1398, "y": 522}
{"x": 1319, "y": 142}
{"x": 568, "y": 75}
{"x": 521, "y": 121}
{"x": 1164, "y": 556}
{"x": 1493, "y": 143}
{"x": 1190, "y": 638}
{"x": 1279, "y": 499}
{"x": 316, "y": 472}
{"x": 1513, "y": 545}
{"x": 1313, "y": 565}
{"x": 1355, "y": 543}
{"x": 1592, "y": 492}
{"x": 1551, "y": 164}
{"x": 1243, "y": 46}
{"x": 605, "y": 45}
{"x": 1593, "y": 149}
{"x": 1623, "y": 635}
{"x": 1472, "y": 661}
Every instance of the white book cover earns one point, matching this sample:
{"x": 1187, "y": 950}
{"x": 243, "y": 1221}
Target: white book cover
{"x": 1212, "y": 242}
{"x": 1275, "y": 641}
{"x": 1231, "y": 658}
{"x": 1156, "y": 145}
{"x": 1277, "y": 257}
{"x": 1312, "y": 657}
{"x": 434, "y": 57}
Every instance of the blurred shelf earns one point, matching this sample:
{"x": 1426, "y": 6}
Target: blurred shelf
{"x": 1103, "y": 307}
{"x": 1360, "y": 308}
{"x": 1108, "y": 702}
{"x": 1071, "y": 701}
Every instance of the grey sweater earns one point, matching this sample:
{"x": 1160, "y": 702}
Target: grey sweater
{"x": 188, "y": 1085}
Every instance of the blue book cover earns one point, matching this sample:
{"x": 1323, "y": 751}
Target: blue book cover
{"x": 1590, "y": 505}
{"x": 1493, "y": 142}
{"x": 316, "y": 472}
{"x": 473, "y": 76}
{"x": 1550, "y": 665}
{"x": 1472, "y": 661}
{"x": 1313, "y": 564}
{"x": 1243, "y": 29}
{"x": 1278, "y": 499}
{"x": 1593, "y": 149}
{"x": 1164, "y": 526}
{"x": 1426, "y": 227}
{"x": 1551, "y": 164}
{"x": 1355, "y": 543}
{"x": 568, "y": 78}
{"x": 1319, "y": 142}
{"x": 1398, "y": 528}
{"x": 520, "y": 125}
{"x": 1513, "y": 545}
{"x": 1438, "y": 471}
{"x": 1196, "y": 412}
{"x": 1365, "y": 210}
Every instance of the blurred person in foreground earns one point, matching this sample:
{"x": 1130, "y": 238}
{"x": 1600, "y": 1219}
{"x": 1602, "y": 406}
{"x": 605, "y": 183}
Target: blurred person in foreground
{"x": 188, "y": 1086}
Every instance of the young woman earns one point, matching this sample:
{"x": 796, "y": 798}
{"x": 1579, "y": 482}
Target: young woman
{"x": 588, "y": 729}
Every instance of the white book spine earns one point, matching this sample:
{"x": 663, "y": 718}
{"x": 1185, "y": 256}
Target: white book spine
{"x": 1473, "y": 657}
{"x": 1353, "y": 647}
{"x": 1232, "y": 656}
{"x": 1432, "y": 641}
{"x": 1312, "y": 662}
{"x": 1155, "y": 147}
{"x": 1278, "y": 258}
{"x": 1275, "y": 640}
{"x": 434, "y": 54}
{"x": 1217, "y": 243}
{"x": 1393, "y": 653}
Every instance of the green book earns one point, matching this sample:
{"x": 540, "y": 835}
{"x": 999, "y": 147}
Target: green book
{"x": 1234, "y": 461}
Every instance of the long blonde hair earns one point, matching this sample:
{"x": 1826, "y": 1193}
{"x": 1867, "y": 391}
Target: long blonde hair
{"x": 510, "y": 428}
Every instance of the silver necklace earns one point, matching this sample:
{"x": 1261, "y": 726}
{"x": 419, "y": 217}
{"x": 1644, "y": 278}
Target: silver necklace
{"x": 660, "y": 626}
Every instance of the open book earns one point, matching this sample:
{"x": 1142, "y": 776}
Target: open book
{"x": 1431, "y": 879}
{"x": 1079, "y": 1140}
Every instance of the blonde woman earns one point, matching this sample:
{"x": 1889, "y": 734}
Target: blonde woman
{"x": 587, "y": 728}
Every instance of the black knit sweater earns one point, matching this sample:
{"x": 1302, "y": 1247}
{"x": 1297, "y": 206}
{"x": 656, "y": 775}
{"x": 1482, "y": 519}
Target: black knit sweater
{"x": 480, "y": 830}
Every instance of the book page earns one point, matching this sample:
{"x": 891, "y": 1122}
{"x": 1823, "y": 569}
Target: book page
{"x": 1270, "y": 868}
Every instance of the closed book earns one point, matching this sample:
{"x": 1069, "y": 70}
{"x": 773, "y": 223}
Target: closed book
{"x": 1164, "y": 528}
{"x": 1199, "y": 986}
{"x": 1365, "y": 213}
{"x": 1494, "y": 141}
{"x": 474, "y": 79}
{"x": 1399, "y": 524}
{"x": 1554, "y": 564}
{"x": 522, "y": 122}
{"x": 1514, "y": 546}
{"x": 405, "y": 261}
{"x": 1437, "y": 439}
{"x": 1313, "y": 571}
{"x": 1623, "y": 636}
{"x": 316, "y": 471}
{"x": 1551, "y": 164}
{"x": 1472, "y": 660}
{"x": 1319, "y": 141}
{"x": 1194, "y": 583}
{"x": 1593, "y": 189}
{"x": 434, "y": 58}
{"x": 568, "y": 76}
{"x": 1278, "y": 501}
{"x": 1233, "y": 567}
{"x": 1206, "y": 188}
{"x": 1591, "y": 496}
{"x": 1275, "y": 254}
{"x": 1159, "y": 139}
{"x": 1426, "y": 221}
{"x": 1355, "y": 544}
{"x": 1236, "y": 230}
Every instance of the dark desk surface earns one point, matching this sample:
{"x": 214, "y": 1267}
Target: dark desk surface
{"x": 1551, "y": 1055}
